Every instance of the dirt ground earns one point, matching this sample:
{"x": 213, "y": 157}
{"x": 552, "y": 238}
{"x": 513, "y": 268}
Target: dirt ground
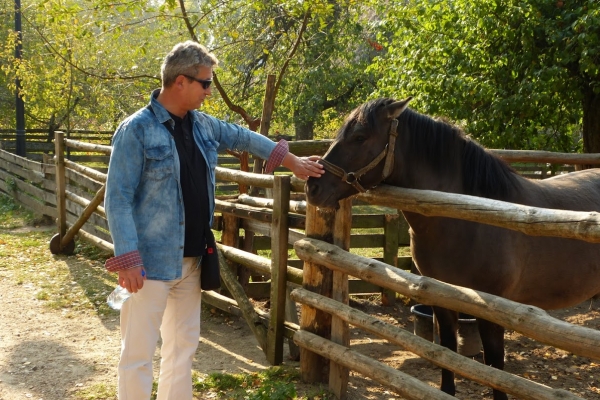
{"x": 51, "y": 355}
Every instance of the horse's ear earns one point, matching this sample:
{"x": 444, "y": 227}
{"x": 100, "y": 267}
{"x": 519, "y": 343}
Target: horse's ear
{"x": 396, "y": 108}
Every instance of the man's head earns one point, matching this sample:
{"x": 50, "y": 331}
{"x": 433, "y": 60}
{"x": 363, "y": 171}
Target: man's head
{"x": 186, "y": 59}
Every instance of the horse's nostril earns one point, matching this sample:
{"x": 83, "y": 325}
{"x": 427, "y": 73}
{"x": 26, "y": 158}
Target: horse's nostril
{"x": 312, "y": 188}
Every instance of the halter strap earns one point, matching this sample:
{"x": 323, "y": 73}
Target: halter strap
{"x": 353, "y": 178}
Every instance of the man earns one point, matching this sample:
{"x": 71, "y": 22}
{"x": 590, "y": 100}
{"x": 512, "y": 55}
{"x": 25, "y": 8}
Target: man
{"x": 159, "y": 203}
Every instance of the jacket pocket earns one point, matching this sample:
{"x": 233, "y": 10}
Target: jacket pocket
{"x": 211, "y": 151}
{"x": 159, "y": 162}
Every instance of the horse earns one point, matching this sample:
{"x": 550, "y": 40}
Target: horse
{"x": 384, "y": 141}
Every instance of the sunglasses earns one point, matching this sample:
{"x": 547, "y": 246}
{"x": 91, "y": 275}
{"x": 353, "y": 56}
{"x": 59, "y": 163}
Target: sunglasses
{"x": 205, "y": 83}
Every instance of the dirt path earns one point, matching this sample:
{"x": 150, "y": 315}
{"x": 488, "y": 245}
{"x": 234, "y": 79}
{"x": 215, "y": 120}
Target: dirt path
{"x": 45, "y": 355}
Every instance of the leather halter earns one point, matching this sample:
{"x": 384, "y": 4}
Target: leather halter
{"x": 353, "y": 178}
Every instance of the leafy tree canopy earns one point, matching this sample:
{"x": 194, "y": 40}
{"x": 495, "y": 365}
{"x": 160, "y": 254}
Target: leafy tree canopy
{"x": 517, "y": 74}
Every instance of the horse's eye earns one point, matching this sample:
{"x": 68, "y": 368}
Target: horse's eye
{"x": 360, "y": 138}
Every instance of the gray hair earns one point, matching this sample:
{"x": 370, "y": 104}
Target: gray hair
{"x": 185, "y": 59}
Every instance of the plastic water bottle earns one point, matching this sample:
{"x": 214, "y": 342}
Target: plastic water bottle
{"x": 118, "y": 296}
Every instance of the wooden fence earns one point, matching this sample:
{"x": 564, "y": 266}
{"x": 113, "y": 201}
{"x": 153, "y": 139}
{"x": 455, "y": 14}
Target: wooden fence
{"x": 73, "y": 193}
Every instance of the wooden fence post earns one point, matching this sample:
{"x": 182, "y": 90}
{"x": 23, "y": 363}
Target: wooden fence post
{"x": 56, "y": 245}
{"x": 390, "y": 252}
{"x": 340, "y": 331}
{"x": 279, "y": 258}
{"x": 230, "y": 236}
{"x": 318, "y": 279}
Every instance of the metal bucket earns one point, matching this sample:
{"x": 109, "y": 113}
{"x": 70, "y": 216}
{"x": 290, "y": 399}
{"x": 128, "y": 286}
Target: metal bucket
{"x": 469, "y": 342}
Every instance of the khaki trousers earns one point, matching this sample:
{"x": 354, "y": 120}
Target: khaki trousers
{"x": 171, "y": 309}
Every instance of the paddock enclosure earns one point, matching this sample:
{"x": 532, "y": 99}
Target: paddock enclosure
{"x": 272, "y": 217}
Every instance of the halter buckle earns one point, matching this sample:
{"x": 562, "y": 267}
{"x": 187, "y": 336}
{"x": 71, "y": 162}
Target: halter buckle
{"x": 350, "y": 178}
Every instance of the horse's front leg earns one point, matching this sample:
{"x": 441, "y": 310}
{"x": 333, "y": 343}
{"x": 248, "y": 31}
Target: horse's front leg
{"x": 447, "y": 327}
{"x": 492, "y": 339}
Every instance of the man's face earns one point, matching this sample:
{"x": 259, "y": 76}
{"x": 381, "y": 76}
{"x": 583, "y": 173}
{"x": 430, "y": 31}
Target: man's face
{"x": 195, "y": 91}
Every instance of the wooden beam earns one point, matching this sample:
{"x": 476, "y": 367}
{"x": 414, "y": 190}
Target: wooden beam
{"x": 526, "y": 319}
{"x": 529, "y": 220}
{"x": 440, "y": 356}
{"x": 279, "y": 256}
{"x": 404, "y": 384}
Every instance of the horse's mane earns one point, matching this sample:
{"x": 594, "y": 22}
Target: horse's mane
{"x": 440, "y": 144}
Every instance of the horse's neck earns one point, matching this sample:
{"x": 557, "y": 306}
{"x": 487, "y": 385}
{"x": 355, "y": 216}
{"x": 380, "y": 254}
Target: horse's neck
{"x": 419, "y": 174}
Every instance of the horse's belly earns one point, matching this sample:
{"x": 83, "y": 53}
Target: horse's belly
{"x": 546, "y": 272}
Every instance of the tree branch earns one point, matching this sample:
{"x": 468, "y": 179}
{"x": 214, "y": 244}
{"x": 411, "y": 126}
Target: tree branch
{"x": 292, "y": 52}
{"x": 186, "y": 19}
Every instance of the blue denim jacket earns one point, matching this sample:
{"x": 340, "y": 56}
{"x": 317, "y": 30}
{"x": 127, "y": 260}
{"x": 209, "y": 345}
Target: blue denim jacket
{"x": 143, "y": 201}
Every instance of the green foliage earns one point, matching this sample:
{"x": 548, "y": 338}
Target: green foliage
{"x": 89, "y": 64}
{"x": 276, "y": 383}
{"x": 513, "y": 72}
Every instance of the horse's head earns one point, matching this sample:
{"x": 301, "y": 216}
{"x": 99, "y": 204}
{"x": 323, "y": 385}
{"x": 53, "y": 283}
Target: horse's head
{"x": 361, "y": 156}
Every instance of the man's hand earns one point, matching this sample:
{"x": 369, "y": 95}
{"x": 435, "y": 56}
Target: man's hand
{"x": 132, "y": 279}
{"x": 303, "y": 167}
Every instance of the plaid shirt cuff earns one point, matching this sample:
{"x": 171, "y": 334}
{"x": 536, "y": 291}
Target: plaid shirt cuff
{"x": 124, "y": 261}
{"x": 277, "y": 156}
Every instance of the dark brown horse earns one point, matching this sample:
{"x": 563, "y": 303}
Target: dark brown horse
{"x": 430, "y": 154}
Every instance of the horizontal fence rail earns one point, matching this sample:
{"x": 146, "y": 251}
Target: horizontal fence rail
{"x": 529, "y": 220}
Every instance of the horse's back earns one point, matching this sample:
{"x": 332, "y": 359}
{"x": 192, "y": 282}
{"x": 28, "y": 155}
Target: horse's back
{"x": 576, "y": 191}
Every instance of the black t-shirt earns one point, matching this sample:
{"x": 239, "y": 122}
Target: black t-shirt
{"x": 194, "y": 189}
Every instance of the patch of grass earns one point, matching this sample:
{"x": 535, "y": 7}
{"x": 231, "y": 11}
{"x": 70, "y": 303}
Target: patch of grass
{"x": 98, "y": 391}
{"x": 67, "y": 283}
{"x": 278, "y": 383}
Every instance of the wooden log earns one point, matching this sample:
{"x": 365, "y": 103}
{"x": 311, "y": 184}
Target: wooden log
{"x": 265, "y": 119}
{"x": 403, "y": 384}
{"x": 263, "y": 228}
{"x": 237, "y": 291}
{"x": 89, "y": 209}
{"x": 89, "y": 159}
{"x": 440, "y": 356}
{"x": 291, "y": 315}
{"x": 319, "y": 279}
{"x": 89, "y": 172}
{"x": 258, "y": 263}
{"x": 255, "y": 213}
{"x": 60, "y": 185}
{"x": 529, "y": 220}
{"x": 85, "y": 202}
{"x": 390, "y": 253}
{"x": 96, "y": 148}
{"x": 279, "y": 256}
{"x": 229, "y": 305}
{"x": 303, "y": 148}
{"x": 96, "y": 241}
{"x": 340, "y": 331}
{"x": 528, "y": 320}
{"x": 248, "y": 178}
{"x": 230, "y": 236}
{"x": 546, "y": 157}
{"x": 95, "y": 224}
{"x": 295, "y": 206}
{"x": 76, "y": 178}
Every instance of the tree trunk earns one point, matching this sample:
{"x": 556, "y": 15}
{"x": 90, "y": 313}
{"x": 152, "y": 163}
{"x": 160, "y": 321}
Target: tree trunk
{"x": 591, "y": 121}
{"x": 304, "y": 129}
